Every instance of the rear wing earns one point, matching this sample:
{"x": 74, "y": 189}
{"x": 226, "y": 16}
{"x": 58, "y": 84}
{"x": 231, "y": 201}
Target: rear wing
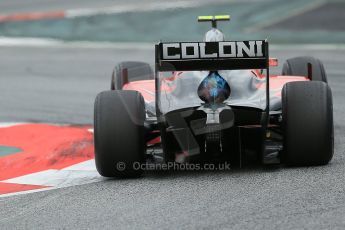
{"x": 212, "y": 56}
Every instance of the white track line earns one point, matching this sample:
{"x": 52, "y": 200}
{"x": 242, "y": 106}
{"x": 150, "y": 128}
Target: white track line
{"x": 46, "y": 42}
{"x": 153, "y": 6}
{"x": 148, "y": 6}
{"x": 10, "y": 124}
{"x": 57, "y": 178}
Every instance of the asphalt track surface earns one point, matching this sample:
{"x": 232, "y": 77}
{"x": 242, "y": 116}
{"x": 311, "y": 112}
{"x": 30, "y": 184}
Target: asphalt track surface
{"x": 58, "y": 85}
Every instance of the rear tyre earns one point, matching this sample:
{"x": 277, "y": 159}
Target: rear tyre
{"x": 130, "y": 71}
{"x": 307, "y": 123}
{"x": 299, "y": 67}
{"x": 119, "y": 133}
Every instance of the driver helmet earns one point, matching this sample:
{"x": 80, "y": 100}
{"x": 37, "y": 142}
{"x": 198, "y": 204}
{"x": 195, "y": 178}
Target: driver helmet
{"x": 214, "y": 35}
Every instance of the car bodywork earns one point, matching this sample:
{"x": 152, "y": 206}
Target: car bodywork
{"x": 244, "y": 127}
{"x": 213, "y": 102}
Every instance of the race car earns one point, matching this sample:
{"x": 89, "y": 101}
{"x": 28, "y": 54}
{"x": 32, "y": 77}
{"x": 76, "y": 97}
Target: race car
{"x": 213, "y": 101}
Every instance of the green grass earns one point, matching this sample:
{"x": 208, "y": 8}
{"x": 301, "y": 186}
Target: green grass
{"x": 5, "y": 150}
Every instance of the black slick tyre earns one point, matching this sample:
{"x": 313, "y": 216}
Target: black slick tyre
{"x": 119, "y": 133}
{"x": 298, "y": 66}
{"x": 130, "y": 71}
{"x": 307, "y": 123}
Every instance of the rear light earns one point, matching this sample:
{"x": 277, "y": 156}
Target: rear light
{"x": 273, "y": 62}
